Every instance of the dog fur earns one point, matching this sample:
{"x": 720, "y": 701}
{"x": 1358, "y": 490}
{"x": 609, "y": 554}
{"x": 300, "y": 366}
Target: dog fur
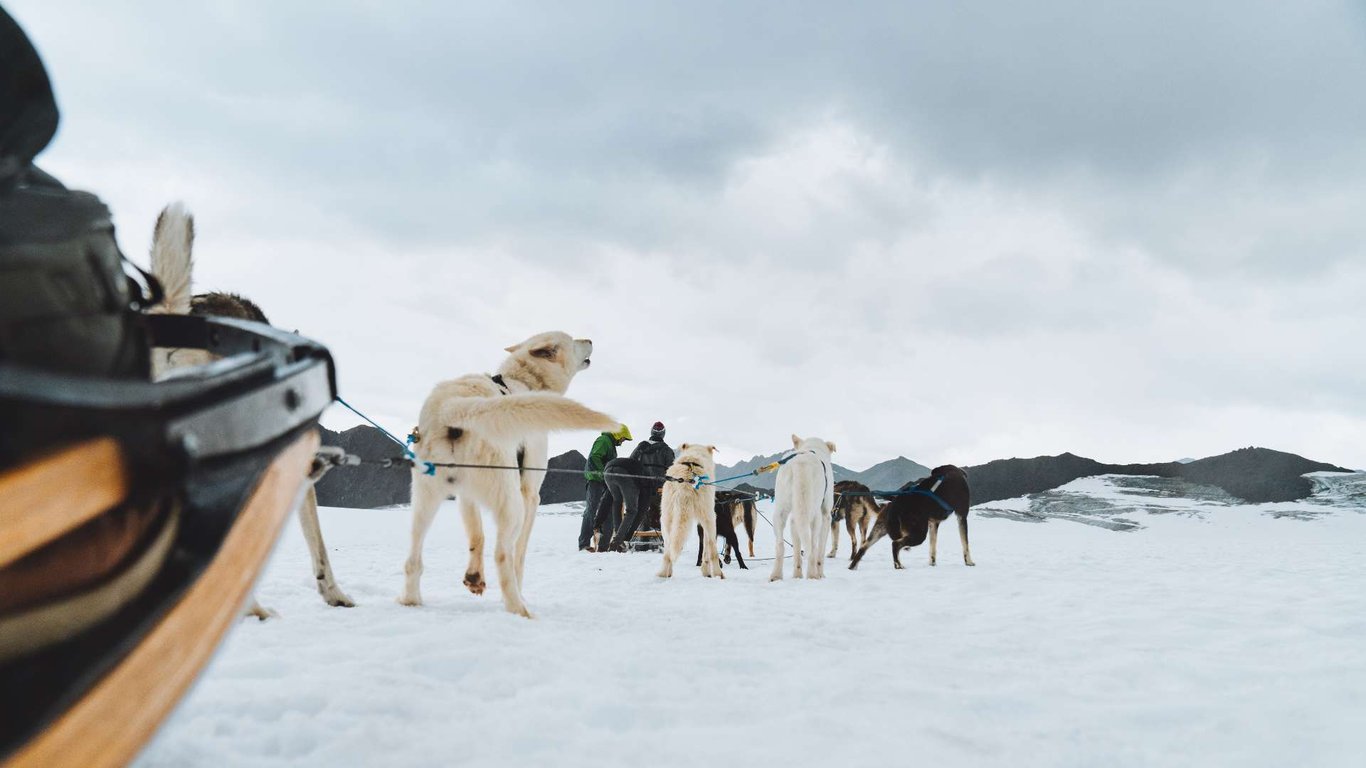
{"x": 172, "y": 261}
{"x": 805, "y": 493}
{"x": 908, "y": 520}
{"x": 858, "y": 512}
{"x": 474, "y": 420}
{"x": 730, "y": 508}
{"x": 684, "y": 506}
{"x": 742, "y": 515}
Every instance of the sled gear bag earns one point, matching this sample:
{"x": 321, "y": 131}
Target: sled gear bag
{"x": 66, "y": 304}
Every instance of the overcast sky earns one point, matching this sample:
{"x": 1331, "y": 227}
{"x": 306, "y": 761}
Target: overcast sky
{"x": 956, "y": 234}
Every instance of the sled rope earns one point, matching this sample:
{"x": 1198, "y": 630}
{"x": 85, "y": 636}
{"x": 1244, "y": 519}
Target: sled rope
{"x": 769, "y": 467}
{"x": 407, "y": 450}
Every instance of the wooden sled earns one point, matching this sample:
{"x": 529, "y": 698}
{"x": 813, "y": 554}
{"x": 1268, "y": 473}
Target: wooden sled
{"x": 128, "y": 552}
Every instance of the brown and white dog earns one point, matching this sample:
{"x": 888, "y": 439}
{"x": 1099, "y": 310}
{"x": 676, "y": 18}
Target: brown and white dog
{"x": 499, "y": 420}
{"x": 854, "y": 504}
{"x": 173, "y": 265}
{"x": 917, "y": 512}
{"x": 684, "y": 505}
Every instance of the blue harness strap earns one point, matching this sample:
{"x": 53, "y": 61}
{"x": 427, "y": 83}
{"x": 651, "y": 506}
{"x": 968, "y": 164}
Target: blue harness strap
{"x": 947, "y": 507}
{"x": 429, "y": 469}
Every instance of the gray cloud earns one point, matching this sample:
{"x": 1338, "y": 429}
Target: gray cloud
{"x": 1056, "y": 223}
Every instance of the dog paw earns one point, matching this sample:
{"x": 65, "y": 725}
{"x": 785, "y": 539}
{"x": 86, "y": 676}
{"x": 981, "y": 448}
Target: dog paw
{"x": 338, "y": 599}
{"x": 475, "y": 583}
{"x": 409, "y": 600}
{"x": 966, "y": 561}
{"x": 261, "y": 613}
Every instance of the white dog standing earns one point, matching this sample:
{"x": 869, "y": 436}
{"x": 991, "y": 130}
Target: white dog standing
{"x": 804, "y": 492}
{"x": 683, "y": 507}
{"x": 500, "y": 420}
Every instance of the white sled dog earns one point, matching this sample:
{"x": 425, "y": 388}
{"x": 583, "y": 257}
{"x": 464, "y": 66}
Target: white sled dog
{"x": 173, "y": 265}
{"x": 684, "y": 507}
{"x": 804, "y": 492}
{"x": 499, "y": 420}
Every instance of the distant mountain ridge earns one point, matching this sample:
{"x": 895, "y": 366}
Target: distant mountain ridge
{"x": 878, "y": 476}
{"x": 1254, "y": 475}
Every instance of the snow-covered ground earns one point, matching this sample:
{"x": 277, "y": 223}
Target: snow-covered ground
{"x": 1228, "y": 635}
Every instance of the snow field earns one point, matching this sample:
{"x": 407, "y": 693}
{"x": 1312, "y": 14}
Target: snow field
{"x": 1229, "y": 639}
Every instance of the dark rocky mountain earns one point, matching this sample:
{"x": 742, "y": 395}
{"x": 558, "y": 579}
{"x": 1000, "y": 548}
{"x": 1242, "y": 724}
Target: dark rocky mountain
{"x": 366, "y": 486}
{"x": 1257, "y": 475}
{"x": 1254, "y": 475}
{"x": 562, "y": 486}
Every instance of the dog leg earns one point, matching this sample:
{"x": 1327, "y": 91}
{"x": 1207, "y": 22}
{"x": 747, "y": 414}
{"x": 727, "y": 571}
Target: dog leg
{"x": 700, "y": 537}
{"x": 733, "y": 542}
{"x": 779, "y": 523}
{"x": 675, "y": 530}
{"x": 474, "y": 530}
{"x": 835, "y": 537}
{"x": 322, "y": 568}
{"x": 896, "y": 554}
{"x": 934, "y": 539}
{"x": 800, "y": 545}
{"x": 862, "y": 529}
{"x": 506, "y": 503}
{"x": 713, "y": 561}
{"x": 531, "y": 504}
{"x": 815, "y": 556}
{"x": 426, "y": 501}
{"x": 879, "y": 530}
{"x": 963, "y": 534}
{"x": 749, "y": 525}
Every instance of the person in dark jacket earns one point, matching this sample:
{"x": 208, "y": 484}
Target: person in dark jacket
{"x": 640, "y": 497}
{"x": 604, "y": 450}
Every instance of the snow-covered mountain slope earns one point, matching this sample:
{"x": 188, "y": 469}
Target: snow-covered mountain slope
{"x": 1124, "y": 502}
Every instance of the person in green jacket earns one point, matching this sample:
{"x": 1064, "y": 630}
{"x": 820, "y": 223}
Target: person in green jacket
{"x": 604, "y": 450}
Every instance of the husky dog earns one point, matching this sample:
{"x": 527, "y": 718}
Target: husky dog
{"x": 919, "y": 510}
{"x": 173, "y": 264}
{"x": 805, "y": 492}
{"x": 858, "y": 510}
{"x": 499, "y": 420}
{"x": 685, "y": 505}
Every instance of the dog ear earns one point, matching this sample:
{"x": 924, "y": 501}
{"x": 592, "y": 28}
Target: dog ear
{"x": 512, "y": 348}
{"x": 830, "y": 445}
{"x": 711, "y": 448}
{"x": 683, "y": 447}
{"x": 547, "y": 352}
{"x": 796, "y": 441}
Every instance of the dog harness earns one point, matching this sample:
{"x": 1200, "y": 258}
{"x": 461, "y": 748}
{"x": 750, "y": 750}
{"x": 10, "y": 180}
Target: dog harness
{"x": 930, "y": 492}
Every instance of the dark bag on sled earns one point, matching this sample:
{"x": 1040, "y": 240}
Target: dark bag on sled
{"x": 66, "y": 304}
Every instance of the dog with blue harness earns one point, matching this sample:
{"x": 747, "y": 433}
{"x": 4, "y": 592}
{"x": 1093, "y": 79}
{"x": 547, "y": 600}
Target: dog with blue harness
{"x": 916, "y": 510}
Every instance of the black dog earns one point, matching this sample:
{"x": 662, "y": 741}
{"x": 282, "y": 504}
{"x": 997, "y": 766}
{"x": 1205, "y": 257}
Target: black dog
{"x": 726, "y": 502}
{"x": 919, "y": 510}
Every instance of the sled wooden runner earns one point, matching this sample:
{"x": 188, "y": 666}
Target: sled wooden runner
{"x": 119, "y": 715}
{"x": 46, "y": 498}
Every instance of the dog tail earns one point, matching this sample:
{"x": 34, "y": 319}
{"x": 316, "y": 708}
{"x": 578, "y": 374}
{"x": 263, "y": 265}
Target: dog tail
{"x": 521, "y": 415}
{"x": 172, "y": 263}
